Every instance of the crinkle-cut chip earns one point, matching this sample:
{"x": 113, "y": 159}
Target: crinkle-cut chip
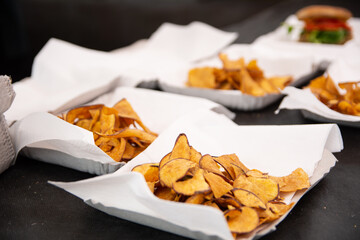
{"x": 242, "y": 220}
{"x": 150, "y": 171}
{"x": 165, "y": 193}
{"x": 127, "y": 132}
{"x": 165, "y": 159}
{"x": 265, "y": 189}
{"x": 174, "y": 170}
{"x": 248, "y": 198}
{"x": 81, "y": 113}
{"x": 256, "y": 173}
{"x": 201, "y": 77}
{"x": 211, "y": 204}
{"x": 181, "y": 148}
{"x": 280, "y": 82}
{"x": 296, "y": 180}
{"x": 196, "y": 199}
{"x": 208, "y": 163}
{"x": 117, "y": 152}
{"x": 195, "y": 156}
{"x": 224, "y": 202}
{"x": 273, "y": 211}
{"x": 217, "y": 184}
{"x": 196, "y": 184}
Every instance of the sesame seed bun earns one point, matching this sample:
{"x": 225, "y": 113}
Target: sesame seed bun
{"x": 323, "y": 11}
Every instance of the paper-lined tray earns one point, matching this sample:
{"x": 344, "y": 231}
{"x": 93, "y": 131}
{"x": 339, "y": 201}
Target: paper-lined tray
{"x": 281, "y": 40}
{"x": 300, "y": 66}
{"x": 47, "y": 138}
{"x": 67, "y": 75}
{"x": 126, "y": 195}
{"x": 341, "y": 70}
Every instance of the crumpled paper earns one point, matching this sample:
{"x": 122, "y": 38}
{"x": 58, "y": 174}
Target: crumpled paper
{"x": 273, "y": 63}
{"x": 7, "y": 96}
{"x": 45, "y": 137}
{"x": 341, "y": 70}
{"x": 65, "y": 75}
{"x": 283, "y": 148}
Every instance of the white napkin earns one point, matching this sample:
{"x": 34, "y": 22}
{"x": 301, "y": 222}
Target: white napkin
{"x": 273, "y": 63}
{"x": 341, "y": 70}
{"x": 283, "y": 148}
{"x": 7, "y": 96}
{"x": 65, "y": 75}
{"x": 53, "y": 140}
{"x": 280, "y": 40}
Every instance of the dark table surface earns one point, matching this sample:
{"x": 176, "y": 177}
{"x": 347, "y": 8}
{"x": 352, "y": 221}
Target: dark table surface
{"x": 30, "y": 208}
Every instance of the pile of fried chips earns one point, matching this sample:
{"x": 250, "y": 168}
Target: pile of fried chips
{"x": 235, "y": 75}
{"x": 325, "y": 90}
{"x": 247, "y": 198}
{"x": 115, "y": 129}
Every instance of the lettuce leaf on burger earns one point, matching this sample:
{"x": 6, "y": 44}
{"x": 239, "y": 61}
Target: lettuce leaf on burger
{"x": 325, "y": 24}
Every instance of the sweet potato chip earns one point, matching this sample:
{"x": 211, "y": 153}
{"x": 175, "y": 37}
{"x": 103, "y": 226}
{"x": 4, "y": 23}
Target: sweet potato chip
{"x": 113, "y": 129}
{"x": 242, "y": 220}
{"x": 297, "y": 180}
{"x": 165, "y": 193}
{"x": 194, "y": 185}
{"x": 236, "y": 75}
{"x": 248, "y": 198}
{"x": 181, "y": 148}
{"x": 149, "y": 170}
{"x": 208, "y": 163}
{"x": 174, "y": 170}
{"x": 217, "y": 184}
{"x": 196, "y": 199}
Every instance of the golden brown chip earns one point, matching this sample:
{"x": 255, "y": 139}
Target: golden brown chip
{"x": 113, "y": 129}
{"x": 165, "y": 193}
{"x": 181, "y": 148}
{"x": 217, "y": 184}
{"x": 273, "y": 211}
{"x": 193, "y": 185}
{"x": 149, "y": 170}
{"x": 242, "y": 220}
{"x": 195, "y": 156}
{"x": 201, "y": 78}
{"x": 248, "y": 198}
{"x": 297, "y": 180}
{"x": 174, "y": 170}
{"x": 265, "y": 189}
{"x": 196, "y": 199}
{"x": 207, "y": 163}
{"x": 226, "y": 201}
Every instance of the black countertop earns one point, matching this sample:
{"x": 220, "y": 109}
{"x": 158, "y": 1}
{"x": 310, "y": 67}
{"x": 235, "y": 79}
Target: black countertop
{"x": 30, "y": 208}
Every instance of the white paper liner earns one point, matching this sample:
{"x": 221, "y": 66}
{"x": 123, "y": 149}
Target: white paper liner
{"x": 280, "y": 40}
{"x": 126, "y": 195}
{"x": 50, "y": 139}
{"x": 299, "y": 66}
{"x": 65, "y": 75}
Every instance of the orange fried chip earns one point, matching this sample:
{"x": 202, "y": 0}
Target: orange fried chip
{"x": 193, "y": 185}
{"x": 174, "y": 170}
{"x": 297, "y": 180}
{"x": 218, "y": 185}
{"x": 242, "y": 220}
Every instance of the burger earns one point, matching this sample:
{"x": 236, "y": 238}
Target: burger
{"x": 325, "y": 24}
